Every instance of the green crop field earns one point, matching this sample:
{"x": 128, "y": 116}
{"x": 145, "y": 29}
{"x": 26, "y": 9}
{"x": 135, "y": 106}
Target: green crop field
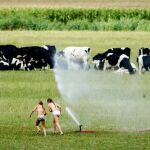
{"x": 21, "y": 90}
{"x": 75, "y": 19}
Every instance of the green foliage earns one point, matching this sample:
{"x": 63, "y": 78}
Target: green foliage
{"x": 75, "y": 19}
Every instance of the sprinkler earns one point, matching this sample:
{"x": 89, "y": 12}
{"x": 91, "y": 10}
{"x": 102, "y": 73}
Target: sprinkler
{"x": 78, "y": 123}
{"x": 80, "y": 127}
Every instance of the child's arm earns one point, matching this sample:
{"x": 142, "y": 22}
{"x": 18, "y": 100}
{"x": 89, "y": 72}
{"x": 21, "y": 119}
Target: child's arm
{"x": 49, "y": 108}
{"x": 33, "y": 111}
{"x": 45, "y": 113}
{"x": 59, "y": 107}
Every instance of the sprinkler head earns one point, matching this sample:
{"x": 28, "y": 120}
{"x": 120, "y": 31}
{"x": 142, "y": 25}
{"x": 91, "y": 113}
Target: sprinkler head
{"x": 80, "y": 127}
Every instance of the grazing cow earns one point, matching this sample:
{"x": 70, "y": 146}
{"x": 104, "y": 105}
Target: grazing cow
{"x": 39, "y": 54}
{"x": 113, "y": 60}
{"x": 76, "y": 57}
{"x": 8, "y": 52}
{"x": 116, "y": 51}
{"x": 121, "y": 61}
{"x": 143, "y": 63}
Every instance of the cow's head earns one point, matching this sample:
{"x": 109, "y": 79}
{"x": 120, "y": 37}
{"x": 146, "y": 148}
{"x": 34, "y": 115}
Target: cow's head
{"x": 127, "y": 51}
{"x": 61, "y": 54}
{"x": 50, "y": 48}
{"x": 99, "y": 60}
{"x": 99, "y": 56}
{"x": 144, "y": 51}
{"x": 87, "y": 50}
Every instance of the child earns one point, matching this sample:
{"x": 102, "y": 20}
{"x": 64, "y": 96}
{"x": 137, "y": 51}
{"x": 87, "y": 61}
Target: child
{"x": 56, "y": 110}
{"x": 40, "y": 116}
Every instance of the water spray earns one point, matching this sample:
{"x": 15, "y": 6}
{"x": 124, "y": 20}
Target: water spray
{"x": 101, "y": 111}
{"x": 74, "y": 118}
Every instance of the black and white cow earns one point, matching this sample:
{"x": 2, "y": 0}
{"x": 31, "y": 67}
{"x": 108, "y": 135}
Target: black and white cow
{"x": 143, "y": 60}
{"x": 76, "y": 57}
{"x": 143, "y": 63}
{"x": 115, "y": 51}
{"x": 114, "y": 59}
{"x": 120, "y": 61}
{"x": 43, "y": 54}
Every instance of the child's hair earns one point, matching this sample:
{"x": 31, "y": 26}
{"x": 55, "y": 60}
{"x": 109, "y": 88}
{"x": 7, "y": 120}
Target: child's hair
{"x": 49, "y": 100}
{"x": 40, "y": 102}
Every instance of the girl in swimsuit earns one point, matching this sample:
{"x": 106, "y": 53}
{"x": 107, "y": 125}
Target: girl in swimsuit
{"x": 56, "y": 110}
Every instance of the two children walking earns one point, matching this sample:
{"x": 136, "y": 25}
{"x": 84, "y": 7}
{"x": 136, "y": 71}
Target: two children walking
{"x": 41, "y": 113}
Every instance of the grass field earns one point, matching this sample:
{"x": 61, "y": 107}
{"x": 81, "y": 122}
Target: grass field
{"x": 98, "y": 41}
{"x": 20, "y": 91}
{"x": 77, "y": 3}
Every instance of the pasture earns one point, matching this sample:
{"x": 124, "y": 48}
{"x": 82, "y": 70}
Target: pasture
{"x": 99, "y": 41}
{"x": 21, "y": 90}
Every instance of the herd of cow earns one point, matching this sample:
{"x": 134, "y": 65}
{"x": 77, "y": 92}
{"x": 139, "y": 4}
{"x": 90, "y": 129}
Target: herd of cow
{"x": 45, "y": 57}
{"x": 26, "y": 58}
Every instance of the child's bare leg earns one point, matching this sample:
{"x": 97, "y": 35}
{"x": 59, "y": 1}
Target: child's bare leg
{"x": 54, "y": 123}
{"x": 44, "y": 130}
{"x": 38, "y": 128}
{"x": 57, "y": 124}
{"x": 43, "y": 126}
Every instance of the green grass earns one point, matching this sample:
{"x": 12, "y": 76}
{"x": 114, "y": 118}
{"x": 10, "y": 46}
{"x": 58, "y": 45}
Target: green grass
{"x": 20, "y": 92}
{"x": 75, "y": 141}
